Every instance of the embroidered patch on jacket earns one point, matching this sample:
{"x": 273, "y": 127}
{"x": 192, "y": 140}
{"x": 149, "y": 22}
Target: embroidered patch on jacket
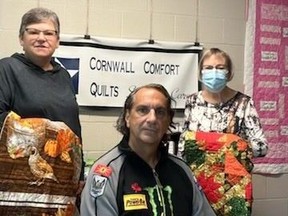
{"x": 136, "y": 187}
{"x": 98, "y": 185}
{"x": 134, "y": 202}
{"x": 103, "y": 170}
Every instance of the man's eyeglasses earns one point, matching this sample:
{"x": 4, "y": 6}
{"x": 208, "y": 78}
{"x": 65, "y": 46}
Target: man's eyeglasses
{"x": 36, "y": 32}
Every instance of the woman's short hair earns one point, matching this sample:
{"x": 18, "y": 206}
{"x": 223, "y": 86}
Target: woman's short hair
{"x": 37, "y": 15}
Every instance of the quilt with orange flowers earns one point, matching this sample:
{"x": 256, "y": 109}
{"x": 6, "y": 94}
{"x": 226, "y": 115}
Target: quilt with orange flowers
{"x": 222, "y": 165}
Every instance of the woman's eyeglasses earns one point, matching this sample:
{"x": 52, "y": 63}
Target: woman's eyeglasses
{"x": 36, "y": 32}
{"x": 220, "y": 66}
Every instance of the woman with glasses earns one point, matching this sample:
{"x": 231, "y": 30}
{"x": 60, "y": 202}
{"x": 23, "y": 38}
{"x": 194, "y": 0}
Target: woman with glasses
{"x": 33, "y": 86}
{"x": 222, "y": 132}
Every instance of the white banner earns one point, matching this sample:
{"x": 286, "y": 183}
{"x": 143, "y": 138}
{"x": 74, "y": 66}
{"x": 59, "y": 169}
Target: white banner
{"x": 105, "y": 71}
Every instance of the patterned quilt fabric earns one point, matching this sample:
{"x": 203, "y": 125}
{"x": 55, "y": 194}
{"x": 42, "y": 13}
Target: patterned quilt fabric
{"x": 222, "y": 165}
{"x": 40, "y": 163}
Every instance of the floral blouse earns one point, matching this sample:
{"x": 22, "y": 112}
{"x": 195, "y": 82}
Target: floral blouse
{"x": 236, "y": 116}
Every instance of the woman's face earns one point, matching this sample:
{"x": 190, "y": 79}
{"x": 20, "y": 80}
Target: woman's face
{"x": 214, "y": 73}
{"x": 214, "y": 61}
{"x": 40, "y": 40}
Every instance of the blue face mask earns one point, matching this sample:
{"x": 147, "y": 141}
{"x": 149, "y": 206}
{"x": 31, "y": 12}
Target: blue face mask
{"x": 214, "y": 79}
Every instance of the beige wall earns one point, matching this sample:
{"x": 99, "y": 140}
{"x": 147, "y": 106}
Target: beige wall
{"x": 220, "y": 23}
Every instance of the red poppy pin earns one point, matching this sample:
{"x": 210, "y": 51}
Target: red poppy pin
{"x": 103, "y": 170}
{"x": 136, "y": 188}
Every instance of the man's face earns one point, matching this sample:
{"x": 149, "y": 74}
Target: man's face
{"x": 148, "y": 119}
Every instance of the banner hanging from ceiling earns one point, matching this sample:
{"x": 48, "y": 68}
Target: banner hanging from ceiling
{"x": 105, "y": 71}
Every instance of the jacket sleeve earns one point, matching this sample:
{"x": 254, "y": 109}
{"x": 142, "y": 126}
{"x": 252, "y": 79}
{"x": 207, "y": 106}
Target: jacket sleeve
{"x": 99, "y": 195}
{"x": 5, "y": 92}
{"x": 201, "y": 206}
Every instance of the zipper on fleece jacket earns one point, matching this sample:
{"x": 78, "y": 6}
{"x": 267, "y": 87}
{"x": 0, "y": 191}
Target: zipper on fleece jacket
{"x": 159, "y": 189}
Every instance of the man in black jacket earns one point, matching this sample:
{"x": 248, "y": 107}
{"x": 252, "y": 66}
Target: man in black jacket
{"x": 138, "y": 176}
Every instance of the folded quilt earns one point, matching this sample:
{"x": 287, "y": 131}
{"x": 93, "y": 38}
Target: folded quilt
{"x": 40, "y": 164}
{"x": 222, "y": 165}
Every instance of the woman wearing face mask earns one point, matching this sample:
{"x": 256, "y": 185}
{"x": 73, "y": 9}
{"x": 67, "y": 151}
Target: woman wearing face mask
{"x": 222, "y": 132}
